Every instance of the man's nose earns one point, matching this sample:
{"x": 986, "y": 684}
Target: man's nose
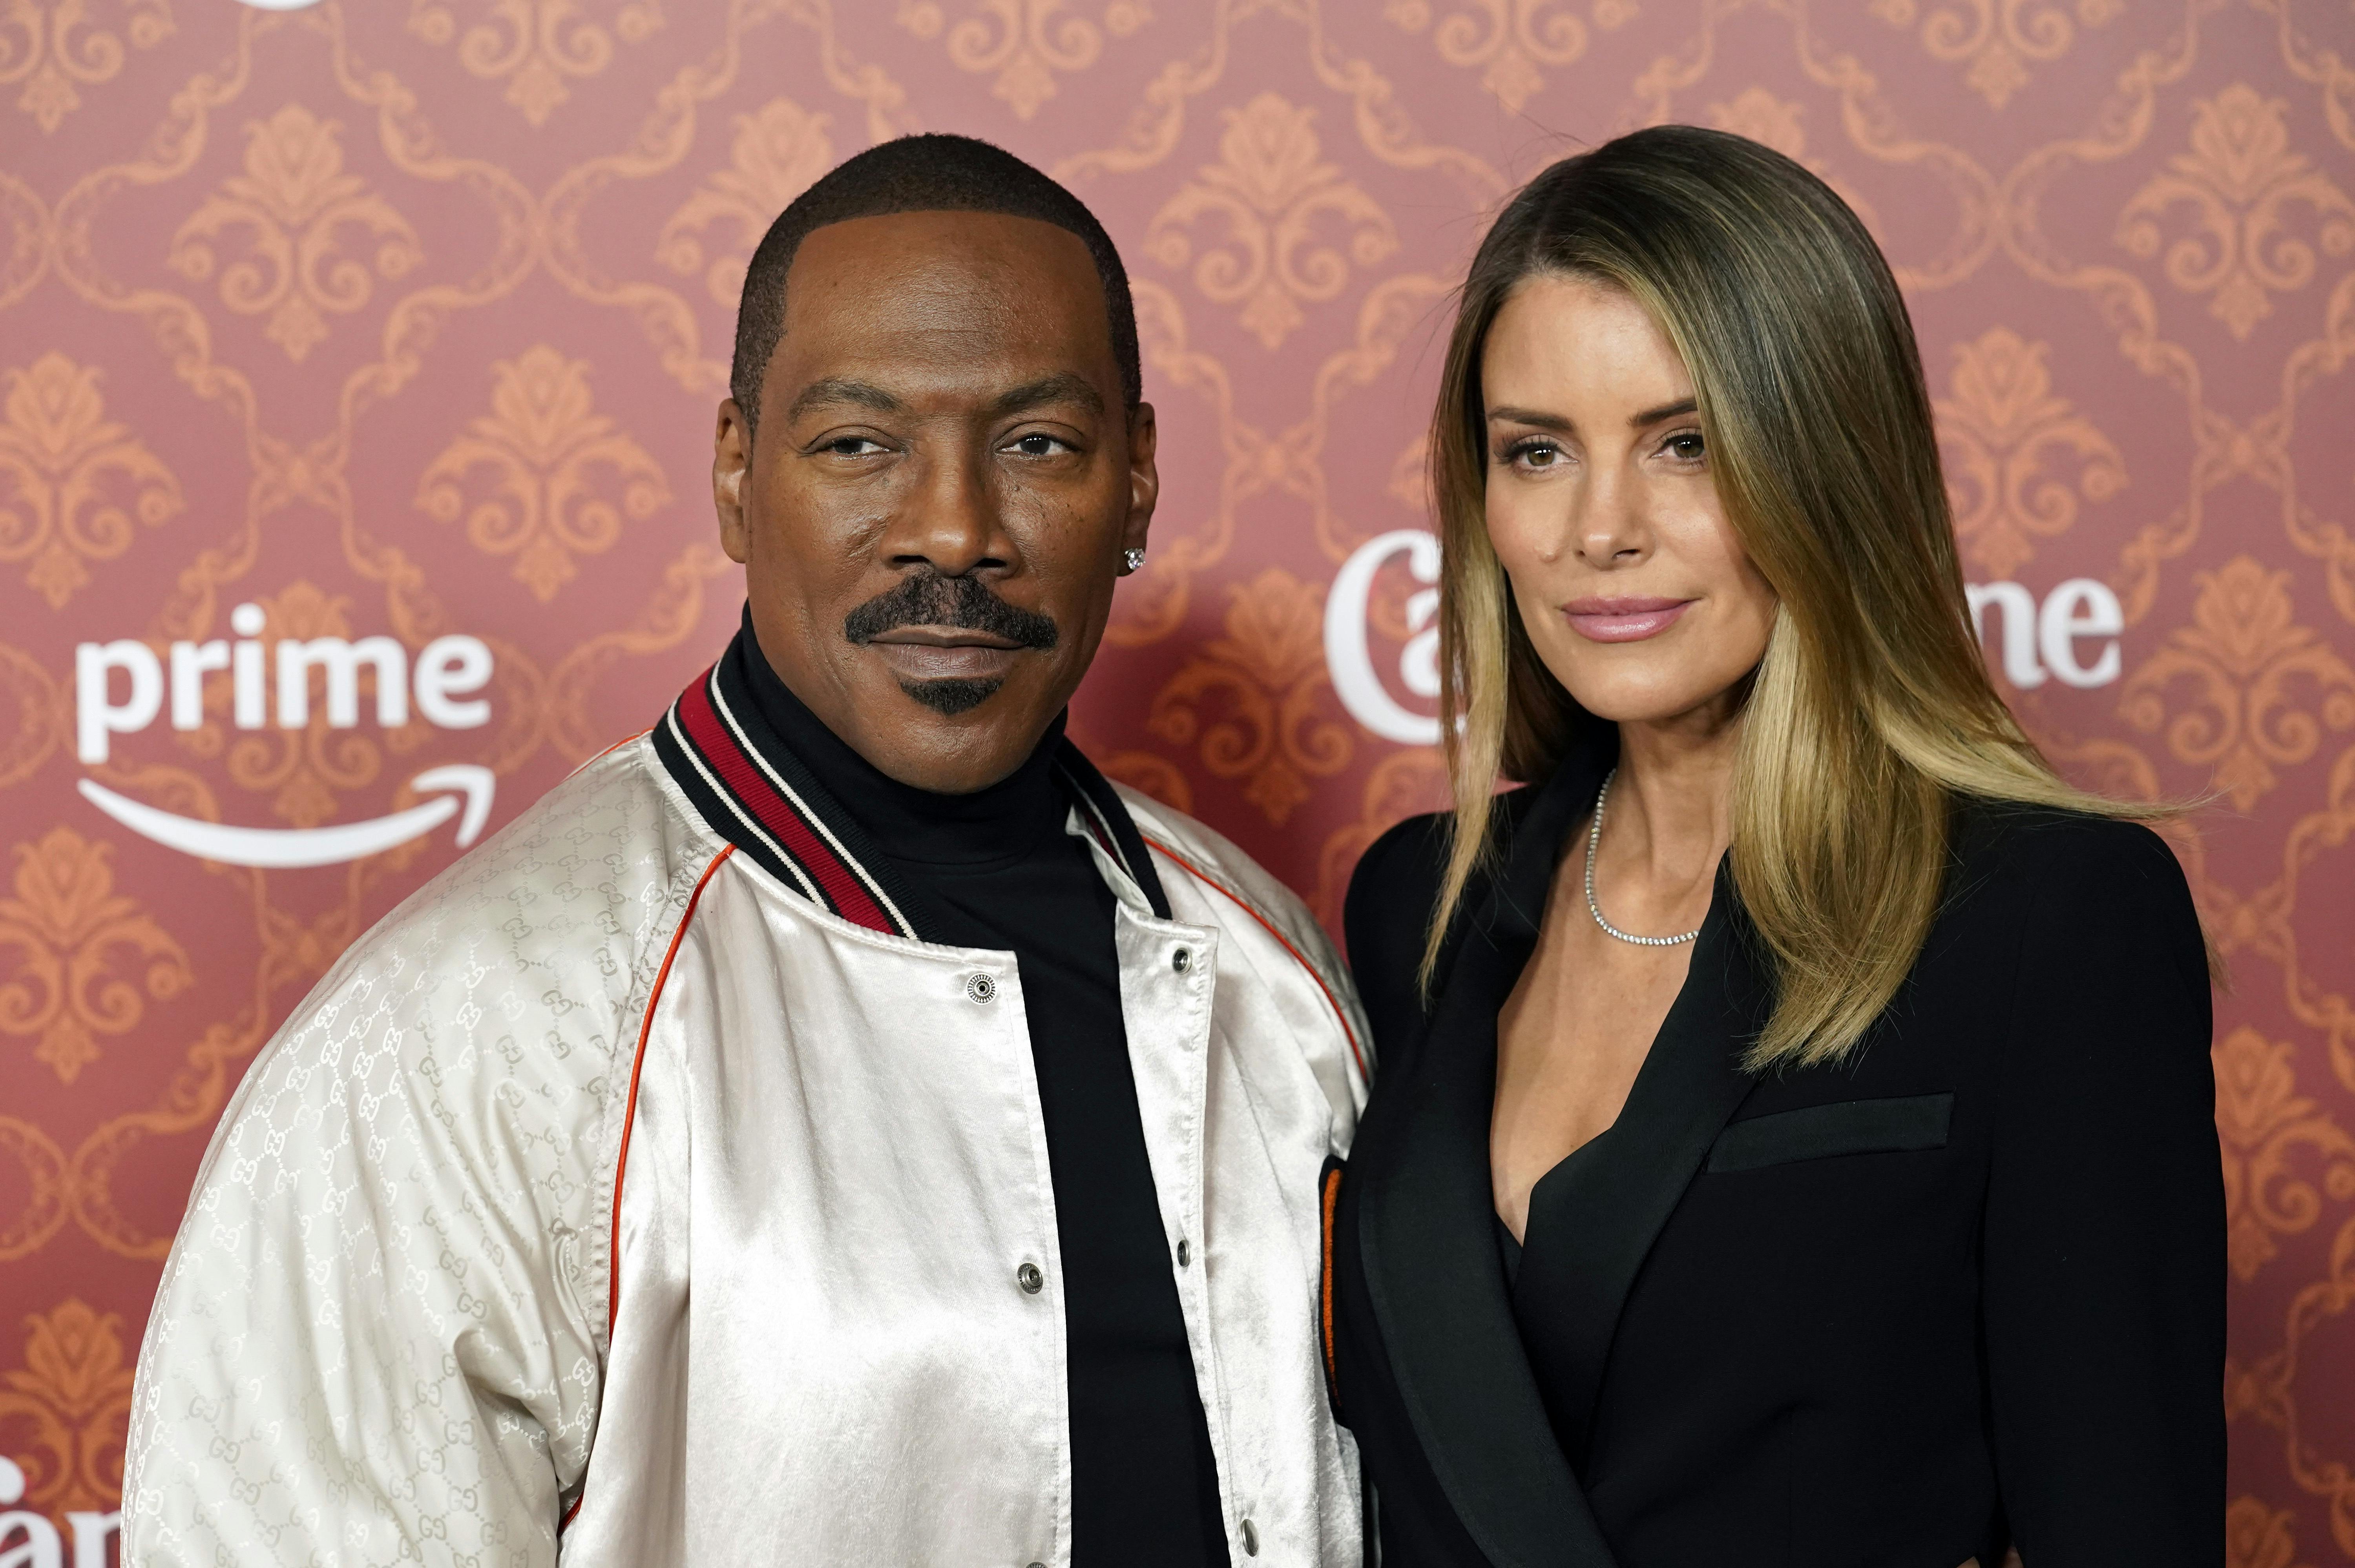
{"x": 950, "y": 519}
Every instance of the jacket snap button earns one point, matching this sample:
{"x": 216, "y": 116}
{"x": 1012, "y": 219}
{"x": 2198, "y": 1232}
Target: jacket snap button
{"x": 1251, "y": 1539}
{"x": 981, "y": 988}
{"x": 1029, "y": 1278}
{"x": 1184, "y": 1255}
{"x": 1181, "y": 960}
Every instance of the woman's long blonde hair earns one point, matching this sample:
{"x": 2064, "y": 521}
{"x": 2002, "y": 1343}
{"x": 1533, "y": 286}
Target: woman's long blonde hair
{"x": 1871, "y": 710}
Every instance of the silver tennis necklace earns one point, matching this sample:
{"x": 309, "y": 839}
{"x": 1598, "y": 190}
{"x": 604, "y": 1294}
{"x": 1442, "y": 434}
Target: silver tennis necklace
{"x": 1594, "y": 838}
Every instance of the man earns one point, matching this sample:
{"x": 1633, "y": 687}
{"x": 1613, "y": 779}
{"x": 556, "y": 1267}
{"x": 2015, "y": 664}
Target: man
{"x": 837, "y": 1127}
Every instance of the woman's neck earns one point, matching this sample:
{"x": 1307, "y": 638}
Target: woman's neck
{"x": 1671, "y": 805}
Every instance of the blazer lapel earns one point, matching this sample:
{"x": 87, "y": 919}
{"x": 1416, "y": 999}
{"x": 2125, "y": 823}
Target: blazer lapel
{"x": 1593, "y": 1218}
{"x": 1428, "y": 1233}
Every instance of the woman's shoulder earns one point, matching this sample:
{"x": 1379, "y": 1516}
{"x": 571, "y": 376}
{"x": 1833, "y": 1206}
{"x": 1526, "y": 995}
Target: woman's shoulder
{"x": 1404, "y": 863}
{"x": 2070, "y": 870}
{"x": 2048, "y": 845}
{"x": 1393, "y": 895}
{"x": 1387, "y": 911}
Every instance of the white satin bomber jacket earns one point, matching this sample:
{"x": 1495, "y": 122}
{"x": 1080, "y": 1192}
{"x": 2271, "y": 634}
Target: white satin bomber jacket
{"x": 643, "y": 1193}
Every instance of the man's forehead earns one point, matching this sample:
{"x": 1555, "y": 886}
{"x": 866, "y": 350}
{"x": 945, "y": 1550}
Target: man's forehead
{"x": 980, "y": 252}
{"x": 919, "y": 305}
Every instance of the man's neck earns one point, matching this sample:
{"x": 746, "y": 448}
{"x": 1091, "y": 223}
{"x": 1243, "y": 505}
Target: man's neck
{"x": 910, "y": 823}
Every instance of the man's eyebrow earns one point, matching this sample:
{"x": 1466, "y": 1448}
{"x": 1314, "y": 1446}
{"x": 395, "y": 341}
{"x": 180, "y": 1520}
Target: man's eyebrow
{"x": 1063, "y": 386}
{"x": 860, "y": 394}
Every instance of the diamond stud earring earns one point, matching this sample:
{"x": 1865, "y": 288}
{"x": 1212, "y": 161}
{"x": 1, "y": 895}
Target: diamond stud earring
{"x": 1131, "y": 561}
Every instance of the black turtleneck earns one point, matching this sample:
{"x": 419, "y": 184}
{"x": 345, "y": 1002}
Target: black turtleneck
{"x": 996, "y": 870}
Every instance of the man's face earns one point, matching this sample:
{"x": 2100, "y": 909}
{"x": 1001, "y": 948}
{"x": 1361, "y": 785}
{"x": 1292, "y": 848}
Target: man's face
{"x": 935, "y": 511}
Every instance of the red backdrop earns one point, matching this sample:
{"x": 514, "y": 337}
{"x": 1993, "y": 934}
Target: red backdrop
{"x": 406, "y": 320}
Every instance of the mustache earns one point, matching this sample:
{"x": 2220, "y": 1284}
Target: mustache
{"x": 928, "y": 599}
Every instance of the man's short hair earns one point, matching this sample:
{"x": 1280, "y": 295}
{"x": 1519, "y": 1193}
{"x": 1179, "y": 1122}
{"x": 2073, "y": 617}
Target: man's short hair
{"x": 920, "y": 173}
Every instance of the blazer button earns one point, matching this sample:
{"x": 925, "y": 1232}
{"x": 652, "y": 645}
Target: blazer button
{"x": 1181, "y": 960}
{"x": 1029, "y": 1278}
{"x": 1184, "y": 1255}
{"x": 1251, "y": 1539}
{"x": 981, "y": 988}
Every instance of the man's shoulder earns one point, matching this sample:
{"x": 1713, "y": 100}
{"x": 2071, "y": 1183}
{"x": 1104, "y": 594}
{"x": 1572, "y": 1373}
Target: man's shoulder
{"x": 1202, "y": 854}
{"x": 549, "y": 920}
{"x": 1236, "y": 892}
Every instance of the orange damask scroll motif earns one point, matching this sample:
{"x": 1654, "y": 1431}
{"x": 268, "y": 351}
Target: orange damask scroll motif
{"x": 778, "y": 153}
{"x": 1021, "y": 44}
{"x": 2002, "y": 424}
{"x": 537, "y": 46}
{"x": 1269, "y": 191}
{"x": 2241, "y": 183}
{"x": 1270, "y": 669}
{"x": 2256, "y": 1536}
{"x": 1508, "y": 40}
{"x": 80, "y": 949}
{"x": 1996, "y": 41}
{"x": 2262, "y": 1121}
{"x": 543, "y": 476}
{"x": 2247, "y": 660}
{"x": 295, "y": 203}
{"x": 66, "y": 1410}
{"x": 55, "y": 47}
{"x": 71, "y": 480}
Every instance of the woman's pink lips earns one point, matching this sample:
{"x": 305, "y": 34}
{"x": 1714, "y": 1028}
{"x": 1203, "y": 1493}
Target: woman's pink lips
{"x": 1627, "y": 620}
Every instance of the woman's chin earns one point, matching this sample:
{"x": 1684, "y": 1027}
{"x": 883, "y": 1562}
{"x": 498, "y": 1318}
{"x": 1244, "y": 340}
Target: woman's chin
{"x": 1621, "y": 702}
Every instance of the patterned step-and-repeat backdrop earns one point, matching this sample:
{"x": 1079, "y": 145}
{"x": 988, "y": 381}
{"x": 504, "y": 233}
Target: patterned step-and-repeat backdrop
{"x": 379, "y": 342}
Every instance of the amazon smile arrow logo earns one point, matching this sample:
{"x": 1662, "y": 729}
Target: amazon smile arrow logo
{"x": 282, "y": 848}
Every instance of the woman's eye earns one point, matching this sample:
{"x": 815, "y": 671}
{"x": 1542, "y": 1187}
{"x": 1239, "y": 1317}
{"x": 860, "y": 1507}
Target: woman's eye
{"x": 1535, "y": 454}
{"x": 1686, "y": 446}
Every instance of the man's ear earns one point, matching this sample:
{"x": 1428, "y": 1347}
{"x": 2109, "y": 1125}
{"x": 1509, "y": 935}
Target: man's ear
{"x": 731, "y": 457}
{"x": 1144, "y": 477}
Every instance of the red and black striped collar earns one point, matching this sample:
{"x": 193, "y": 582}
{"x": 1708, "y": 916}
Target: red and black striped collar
{"x": 755, "y": 792}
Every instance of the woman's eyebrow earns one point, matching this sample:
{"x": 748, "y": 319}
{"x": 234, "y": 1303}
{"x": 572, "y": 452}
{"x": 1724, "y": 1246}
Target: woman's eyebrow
{"x": 1543, "y": 421}
{"x": 1665, "y": 411}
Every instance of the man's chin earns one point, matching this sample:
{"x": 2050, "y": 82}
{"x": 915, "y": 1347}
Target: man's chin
{"x": 949, "y": 698}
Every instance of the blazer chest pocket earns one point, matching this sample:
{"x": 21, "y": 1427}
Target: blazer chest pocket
{"x": 1851, "y": 1127}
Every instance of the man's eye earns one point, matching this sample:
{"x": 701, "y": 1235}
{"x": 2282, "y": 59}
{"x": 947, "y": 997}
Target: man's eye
{"x": 1037, "y": 445}
{"x": 852, "y": 446}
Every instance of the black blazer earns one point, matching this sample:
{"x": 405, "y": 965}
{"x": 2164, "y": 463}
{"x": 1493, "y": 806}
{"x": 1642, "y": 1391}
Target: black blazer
{"x": 1963, "y": 1290}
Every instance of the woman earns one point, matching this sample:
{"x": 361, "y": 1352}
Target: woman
{"x": 1794, "y": 1139}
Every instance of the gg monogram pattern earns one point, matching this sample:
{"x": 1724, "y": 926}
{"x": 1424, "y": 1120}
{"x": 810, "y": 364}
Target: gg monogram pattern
{"x": 405, "y": 321}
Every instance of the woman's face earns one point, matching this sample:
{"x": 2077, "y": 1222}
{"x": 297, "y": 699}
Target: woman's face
{"x": 1600, "y": 503}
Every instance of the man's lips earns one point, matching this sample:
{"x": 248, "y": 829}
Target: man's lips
{"x": 1623, "y": 618}
{"x": 946, "y": 653}
{"x": 945, "y": 636}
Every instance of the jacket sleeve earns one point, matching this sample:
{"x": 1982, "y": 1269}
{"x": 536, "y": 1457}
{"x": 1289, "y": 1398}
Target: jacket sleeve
{"x": 2105, "y": 1230}
{"x": 377, "y": 1337}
